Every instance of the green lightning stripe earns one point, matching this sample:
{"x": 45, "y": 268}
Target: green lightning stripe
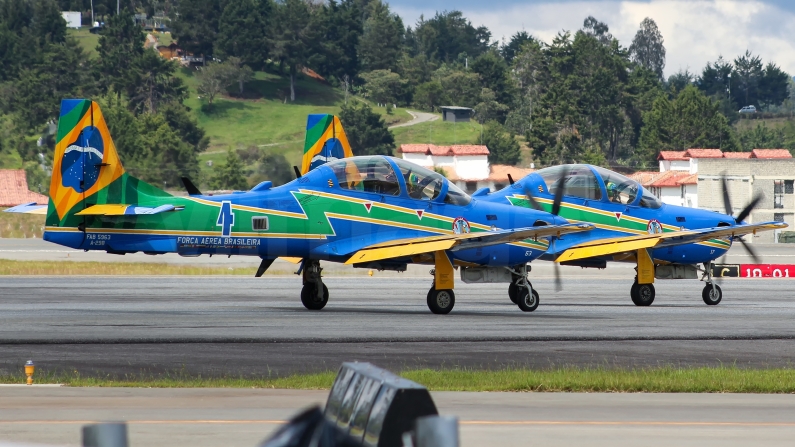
{"x": 604, "y": 219}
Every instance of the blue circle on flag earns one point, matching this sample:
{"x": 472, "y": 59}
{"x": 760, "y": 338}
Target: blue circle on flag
{"x": 332, "y": 150}
{"x": 81, "y": 160}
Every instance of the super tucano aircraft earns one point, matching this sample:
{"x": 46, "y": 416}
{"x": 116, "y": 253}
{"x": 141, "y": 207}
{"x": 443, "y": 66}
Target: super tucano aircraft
{"x": 373, "y": 212}
{"x": 632, "y": 225}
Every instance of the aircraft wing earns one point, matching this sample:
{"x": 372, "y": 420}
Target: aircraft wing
{"x": 454, "y": 242}
{"x": 626, "y": 244}
{"x": 28, "y": 208}
{"x": 125, "y": 210}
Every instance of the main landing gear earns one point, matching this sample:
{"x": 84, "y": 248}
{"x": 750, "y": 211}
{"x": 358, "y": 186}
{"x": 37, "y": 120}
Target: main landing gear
{"x": 642, "y": 294}
{"x": 521, "y": 291}
{"x": 314, "y": 294}
{"x": 711, "y": 293}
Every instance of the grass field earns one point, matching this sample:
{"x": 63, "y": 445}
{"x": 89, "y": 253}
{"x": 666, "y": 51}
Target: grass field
{"x": 651, "y": 380}
{"x": 87, "y": 40}
{"x": 438, "y": 132}
{"x": 21, "y": 225}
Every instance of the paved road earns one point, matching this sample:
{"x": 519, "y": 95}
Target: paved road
{"x": 235, "y": 417}
{"x": 223, "y": 325}
{"x": 419, "y": 117}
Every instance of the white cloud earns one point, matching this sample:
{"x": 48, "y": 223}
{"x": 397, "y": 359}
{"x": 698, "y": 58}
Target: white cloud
{"x": 695, "y": 32}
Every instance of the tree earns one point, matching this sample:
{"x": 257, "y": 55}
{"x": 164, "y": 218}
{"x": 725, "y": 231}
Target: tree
{"x": 503, "y": 147}
{"x": 429, "y": 95}
{"x": 514, "y": 46}
{"x": 597, "y": 29}
{"x": 748, "y": 71}
{"x": 647, "y": 47}
{"x": 380, "y": 44}
{"x": 366, "y": 130}
{"x": 151, "y": 82}
{"x": 447, "y": 36}
{"x": 196, "y": 25}
{"x": 121, "y": 45}
{"x": 493, "y": 72}
{"x": 773, "y": 87}
{"x": 384, "y": 86}
{"x": 242, "y": 31}
{"x": 273, "y": 167}
{"x": 689, "y": 120}
{"x": 213, "y": 80}
{"x": 230, "y": 174}
{"x": 461, "y": 88}
{"x": 239, "y": 73}
{"x": 714, "y": 79}
{"x": 339, "y": 29}
{"x": 679, "y": 80}
{"x": 489, "y": 109}
{"x": 293, "y": 37}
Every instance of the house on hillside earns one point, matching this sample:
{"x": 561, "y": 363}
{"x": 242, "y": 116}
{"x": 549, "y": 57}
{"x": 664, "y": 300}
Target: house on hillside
{"x": 14, "y": 189}
{"x": 455, "y": 114}
{"x": 466, "y": 165}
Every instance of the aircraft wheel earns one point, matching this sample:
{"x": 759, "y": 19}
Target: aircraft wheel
{"x": 310, "y": 299}
{"x": 526, "y": 301}
{"x": 642, "y": 294}
{"x": 711, "y": 297}
{"x": 513, "y": 293}
{"x": 442, "y": 301}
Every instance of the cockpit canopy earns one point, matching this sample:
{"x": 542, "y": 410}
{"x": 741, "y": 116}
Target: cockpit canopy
{"x": 376, "y": 174}
{"x": 595, "y": 183}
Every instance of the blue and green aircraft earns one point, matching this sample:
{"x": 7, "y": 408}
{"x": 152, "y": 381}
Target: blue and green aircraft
{"x": 632, "y": 225}
{"x": 373, "y": 212}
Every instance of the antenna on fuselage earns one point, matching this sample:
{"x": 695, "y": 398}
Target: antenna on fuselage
{"x": 297, "y": 171}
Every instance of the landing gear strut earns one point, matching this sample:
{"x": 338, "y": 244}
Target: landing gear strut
{"x": 314, "y": 294}
{"x": 441, "y": 298}
{"x": 521, "y": 292}
{"x": 711, "y": 293}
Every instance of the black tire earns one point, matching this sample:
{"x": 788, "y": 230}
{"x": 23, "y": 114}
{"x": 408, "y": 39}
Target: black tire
{"x": 642, "y": 294}
{"x": 513, "y": 292}
{"x": 527, "y": 302}
{"x": 441, "y": 302}
{"x": 711, "y": 298}
{"x": 309, "y": 297}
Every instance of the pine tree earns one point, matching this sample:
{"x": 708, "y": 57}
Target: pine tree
{"x": 230, "y": 175}
{"x": 503, "y": 147}
{"x": 242, "y": 31}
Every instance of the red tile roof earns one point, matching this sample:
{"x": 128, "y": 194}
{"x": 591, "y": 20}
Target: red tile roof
{"x": 704, "y": 153}
{"x": 646, "y": 178}
{"x": 736, "y": 155}
{"x": 672, "y": 155}
{"x": 432, "y": 149}
{"x": 14, "y": 189}
{"x": 499, "y": 173}
{"x": 691, "y": 179}
{"x": 672, "y": 178}
{"x": 770, "y": 153}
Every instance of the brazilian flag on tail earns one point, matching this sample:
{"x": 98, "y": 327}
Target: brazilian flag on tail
{"x": 325, "y": 141}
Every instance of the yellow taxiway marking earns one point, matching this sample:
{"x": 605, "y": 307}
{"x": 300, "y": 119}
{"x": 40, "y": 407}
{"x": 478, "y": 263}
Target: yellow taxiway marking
{"x": 508, "y": 423}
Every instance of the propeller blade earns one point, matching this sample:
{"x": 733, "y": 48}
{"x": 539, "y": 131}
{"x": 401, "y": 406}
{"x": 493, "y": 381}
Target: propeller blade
{"x": 748, "y": 208}
{"x": 750, "y": 251}
{"x": 559, "y": 190}
{"x": 533, "y": 202}
{"x": 510, "y": 180}
{"x": 558, "y": 281}
{"x": 726, "y": 201}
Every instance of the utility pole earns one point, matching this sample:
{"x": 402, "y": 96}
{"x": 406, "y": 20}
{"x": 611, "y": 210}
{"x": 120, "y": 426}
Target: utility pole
{"x": 117, "y": 7}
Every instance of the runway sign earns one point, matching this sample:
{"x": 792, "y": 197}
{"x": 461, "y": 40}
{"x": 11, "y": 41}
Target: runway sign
{"x": 767, "y": 271}
{"x": 726, "y": 270}
{"x": 375, "y": 406}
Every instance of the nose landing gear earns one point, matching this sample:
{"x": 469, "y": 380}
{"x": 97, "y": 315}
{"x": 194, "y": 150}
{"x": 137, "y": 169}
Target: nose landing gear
{"x": 711, "y": 293}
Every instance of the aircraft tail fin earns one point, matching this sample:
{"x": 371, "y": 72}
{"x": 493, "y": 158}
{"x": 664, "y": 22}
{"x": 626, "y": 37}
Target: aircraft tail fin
{"x": 325, "y": 141}
{"x": 86, "y": 168}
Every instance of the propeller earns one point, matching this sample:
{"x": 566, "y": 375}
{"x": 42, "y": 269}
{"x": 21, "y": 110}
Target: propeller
{"x": 744, "y": 213}
{"x": 560, "y": 189}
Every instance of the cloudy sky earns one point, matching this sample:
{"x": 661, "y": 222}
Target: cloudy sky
{"x": 695, "y": 31}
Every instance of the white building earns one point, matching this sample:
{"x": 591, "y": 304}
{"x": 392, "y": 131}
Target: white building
{"x": 677, "y": 181}
{"x": 73, "y": 18}
{"x": 466, "y": 165}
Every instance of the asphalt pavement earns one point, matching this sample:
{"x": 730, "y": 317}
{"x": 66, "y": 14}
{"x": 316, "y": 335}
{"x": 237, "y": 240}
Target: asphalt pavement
{"x": 244, "y": 417}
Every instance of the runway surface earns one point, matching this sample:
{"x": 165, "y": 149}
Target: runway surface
{"x": 257, "y": 326}
{"x": 240, "y": 417}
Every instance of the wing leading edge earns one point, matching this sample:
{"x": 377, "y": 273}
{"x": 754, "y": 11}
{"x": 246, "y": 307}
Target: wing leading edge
{"x": 454, "y": 242}
{"x": 610, "y": 246}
